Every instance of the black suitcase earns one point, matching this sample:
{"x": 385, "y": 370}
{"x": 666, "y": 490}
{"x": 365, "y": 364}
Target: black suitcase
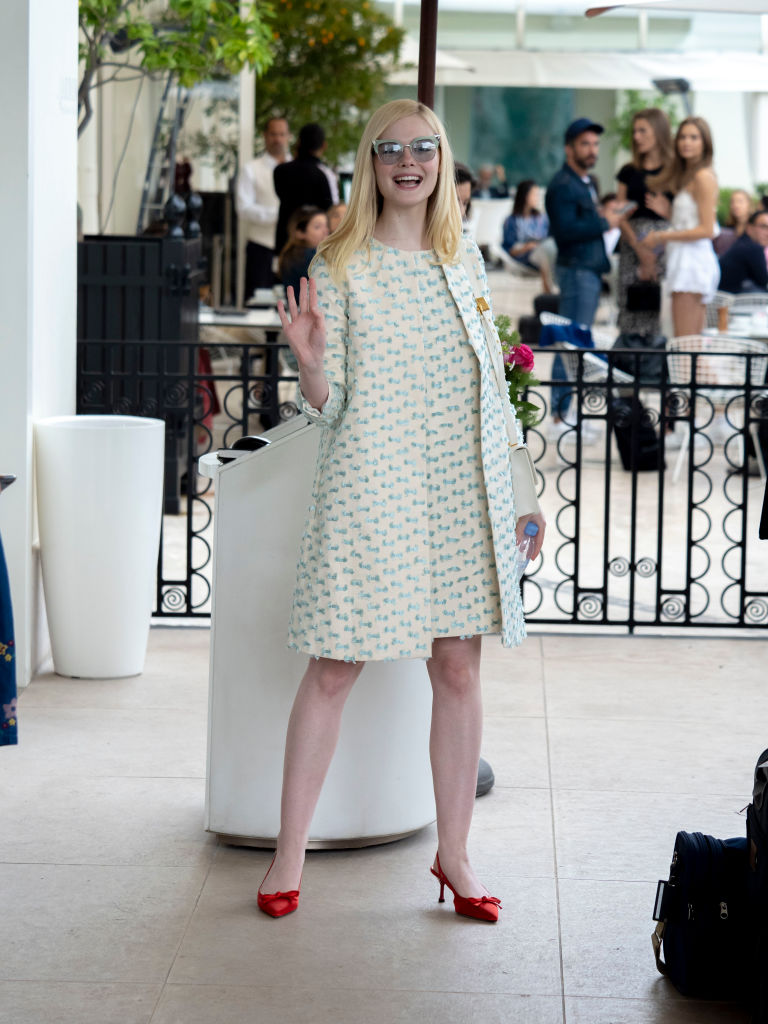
{"x": 529, "y": 329}
{"x": 704, "y": 918}
{"x": 636, "y": 438}
{"x": 757, "y": 837}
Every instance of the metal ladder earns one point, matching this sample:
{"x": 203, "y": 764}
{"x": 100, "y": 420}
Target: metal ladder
{"x": 161, "y": 166}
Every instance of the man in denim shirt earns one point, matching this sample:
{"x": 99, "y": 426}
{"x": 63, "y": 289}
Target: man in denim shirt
{"x": 577, "y": 227}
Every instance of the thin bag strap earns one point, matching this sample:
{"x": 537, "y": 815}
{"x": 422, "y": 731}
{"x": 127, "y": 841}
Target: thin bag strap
{"x": 656, "y": 939}
{"x": 494, "y": 350}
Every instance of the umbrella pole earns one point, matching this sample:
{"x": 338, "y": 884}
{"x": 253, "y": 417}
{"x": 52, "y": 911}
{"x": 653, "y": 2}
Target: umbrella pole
{"x": 427, "y": 50}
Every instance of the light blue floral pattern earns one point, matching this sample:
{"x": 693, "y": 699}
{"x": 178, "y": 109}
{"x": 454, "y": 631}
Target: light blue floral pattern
{"x": 410, "y": 531}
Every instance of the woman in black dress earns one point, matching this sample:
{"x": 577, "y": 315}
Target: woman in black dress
{"x": 652, "y": 152}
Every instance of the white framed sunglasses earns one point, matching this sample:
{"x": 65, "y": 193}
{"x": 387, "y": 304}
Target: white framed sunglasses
{"x": 423, "y": 149}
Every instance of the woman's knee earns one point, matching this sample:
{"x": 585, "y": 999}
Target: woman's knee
{"x": 332, "y": 679}
{"x": 454, "y": 668}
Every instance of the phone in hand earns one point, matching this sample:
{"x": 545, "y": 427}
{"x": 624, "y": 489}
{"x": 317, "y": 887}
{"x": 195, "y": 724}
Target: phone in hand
{"x": 625, "y": 208}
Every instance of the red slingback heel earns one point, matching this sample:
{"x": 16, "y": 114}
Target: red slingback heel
{"x": 277, "y": 904}
{"x": 486, "y": 908}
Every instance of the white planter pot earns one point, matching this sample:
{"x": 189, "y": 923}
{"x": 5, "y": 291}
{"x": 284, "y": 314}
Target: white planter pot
{"x": 99, "y": 493}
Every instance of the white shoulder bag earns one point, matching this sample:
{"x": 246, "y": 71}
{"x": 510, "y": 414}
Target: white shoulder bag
{"x": 520, "y": 461}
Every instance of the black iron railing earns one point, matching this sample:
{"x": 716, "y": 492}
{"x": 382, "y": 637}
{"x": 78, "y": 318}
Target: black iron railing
{"x": 650, "y": 485}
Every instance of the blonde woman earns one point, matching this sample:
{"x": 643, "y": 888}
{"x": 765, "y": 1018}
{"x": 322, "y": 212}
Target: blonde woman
{"x": 693, "y": 272}
{"x": 409, "y": 547}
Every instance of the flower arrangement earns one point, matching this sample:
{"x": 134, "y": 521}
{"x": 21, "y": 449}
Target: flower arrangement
{"x": 518, "y": 370}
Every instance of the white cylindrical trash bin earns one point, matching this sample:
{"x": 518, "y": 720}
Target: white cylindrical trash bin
{"x": 99, "y": 496}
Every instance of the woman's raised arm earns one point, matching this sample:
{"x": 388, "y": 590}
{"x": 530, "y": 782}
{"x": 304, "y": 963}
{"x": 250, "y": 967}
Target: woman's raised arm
{"x": 305, "y": 331}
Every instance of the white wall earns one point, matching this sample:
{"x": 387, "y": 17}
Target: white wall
{"x": 107, "y": 167}
{"x": 729, "y": 115}
{"x": 38, "y": 78}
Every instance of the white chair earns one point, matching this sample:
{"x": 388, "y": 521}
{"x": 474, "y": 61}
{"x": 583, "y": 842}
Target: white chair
{"x": 720, "y": 367}
{"x": 750, "y": 302}
{"x": 721, "y": 300}
{"x": 487, "y": 219}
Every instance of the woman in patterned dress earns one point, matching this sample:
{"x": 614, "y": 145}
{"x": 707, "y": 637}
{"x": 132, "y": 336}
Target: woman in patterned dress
{"x": 652, "y": 153}
{"x": 410, "y": 541}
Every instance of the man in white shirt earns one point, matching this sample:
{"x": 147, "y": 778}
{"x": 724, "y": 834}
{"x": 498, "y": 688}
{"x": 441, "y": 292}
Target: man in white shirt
{"x": 258, "y": 206}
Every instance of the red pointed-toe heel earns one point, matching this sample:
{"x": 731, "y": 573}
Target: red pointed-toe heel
{"x": 277, "y": 904}
{"x": 486, "y": 908}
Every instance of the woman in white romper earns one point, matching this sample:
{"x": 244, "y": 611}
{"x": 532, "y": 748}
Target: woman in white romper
{"x": 409, "y": 546}
{"x": 693, "y": 272}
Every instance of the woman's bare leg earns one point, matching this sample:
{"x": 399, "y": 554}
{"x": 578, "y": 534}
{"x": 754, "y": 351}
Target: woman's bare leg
{"x": 313, "y": 732}
{"x": 689, "y": 314}
{"x": 454, "y": 748}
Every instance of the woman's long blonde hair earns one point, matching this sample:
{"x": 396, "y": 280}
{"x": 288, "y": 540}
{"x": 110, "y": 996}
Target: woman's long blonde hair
{"x": 356, "y": 229}
{"x": 678, "y": 174}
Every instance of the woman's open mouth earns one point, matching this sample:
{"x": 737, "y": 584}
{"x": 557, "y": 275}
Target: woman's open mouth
{"x": 407, "y": 181}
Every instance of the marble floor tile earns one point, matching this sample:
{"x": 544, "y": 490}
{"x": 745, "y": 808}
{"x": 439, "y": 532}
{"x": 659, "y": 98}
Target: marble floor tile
{"x": 107, "y": 742}
{"x": 94, "y": 924}
{"x": 601, "y": 835}
{"x": 175, "y": 676}
{"x": 62, "y": 819}
{"x": 512, "y": 832}
{"x": 174, "y": 688}
{"x": 508, "y": 691}
{"x": 516, "y": 748}
{"x": 297, "y": 1004}
{"x": 649, "y": 1011}
{"x": 125, "y": 910}
{"x": 658, "y": 691}
{"x": 682, "y": 651}
{"x": 665, "y": 756}
{"x": 354, "y": 930}
{"x": 74, "y": 1002}
{"x": 606, "y": 934}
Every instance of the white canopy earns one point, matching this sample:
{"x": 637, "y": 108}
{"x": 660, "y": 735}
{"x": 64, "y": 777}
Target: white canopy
{"x": 719, "y": 6}
{"x": 707, "y": 72}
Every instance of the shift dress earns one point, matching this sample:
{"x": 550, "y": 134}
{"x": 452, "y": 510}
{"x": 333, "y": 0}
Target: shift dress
{"x": 398, "y": 545}
{"x": 691, "y": 266}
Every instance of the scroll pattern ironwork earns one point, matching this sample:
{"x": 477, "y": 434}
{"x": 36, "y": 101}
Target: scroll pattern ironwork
{"x": 629, "y": 546}
{"x": 206, "y": 405}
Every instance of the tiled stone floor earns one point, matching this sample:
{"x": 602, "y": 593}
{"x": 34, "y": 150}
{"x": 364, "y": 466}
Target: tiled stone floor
{"x": 119, "y": 909}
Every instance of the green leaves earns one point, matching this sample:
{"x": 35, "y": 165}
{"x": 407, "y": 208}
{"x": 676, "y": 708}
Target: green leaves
{"x": 518, "y": 379}
{"x": 195, "y": 39}
{"x": 331, "y": 60}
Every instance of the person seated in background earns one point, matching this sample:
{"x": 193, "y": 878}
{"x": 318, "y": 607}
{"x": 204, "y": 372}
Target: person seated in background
{"x": 740, "y": 209}
{"x": 307, "y": 227}
{"x": 525, "y": 230}
{"x": 335, "y": 213}
{"x": 465, "y": 183}
{"x": 486, "y": 188}
{"x": 743, "y": 267}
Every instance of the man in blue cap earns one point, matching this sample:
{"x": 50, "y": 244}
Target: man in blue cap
{"x": 576, "y": 224}
{"x": 577, "y": 228}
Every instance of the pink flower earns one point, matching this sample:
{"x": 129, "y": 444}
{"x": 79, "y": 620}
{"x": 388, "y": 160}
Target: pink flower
{"x": 522, "y": 356}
